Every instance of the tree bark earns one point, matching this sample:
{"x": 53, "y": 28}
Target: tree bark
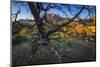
{"x": 35, "y": 9}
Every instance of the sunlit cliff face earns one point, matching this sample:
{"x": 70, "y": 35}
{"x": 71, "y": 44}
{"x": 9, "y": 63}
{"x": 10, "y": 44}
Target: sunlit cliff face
{"x": 50, "y": 17}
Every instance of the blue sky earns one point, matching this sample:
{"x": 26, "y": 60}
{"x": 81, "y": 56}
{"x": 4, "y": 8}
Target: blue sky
{"x": 25, "y": 12}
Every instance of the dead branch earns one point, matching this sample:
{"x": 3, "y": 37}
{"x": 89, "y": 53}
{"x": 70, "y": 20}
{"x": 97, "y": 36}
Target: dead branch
{"x": 65, "y": 24}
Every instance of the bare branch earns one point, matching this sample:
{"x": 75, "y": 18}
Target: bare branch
{"x": 65, "y": 24}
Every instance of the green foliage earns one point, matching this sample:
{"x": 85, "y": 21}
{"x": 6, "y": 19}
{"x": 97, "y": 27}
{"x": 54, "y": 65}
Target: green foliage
{"x": 66, "y": 19}
{"x": 18, "y": 39}
{"x": 70, "y": 50}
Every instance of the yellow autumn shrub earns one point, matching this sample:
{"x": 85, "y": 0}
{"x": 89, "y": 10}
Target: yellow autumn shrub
{"x": 25, "y": 32}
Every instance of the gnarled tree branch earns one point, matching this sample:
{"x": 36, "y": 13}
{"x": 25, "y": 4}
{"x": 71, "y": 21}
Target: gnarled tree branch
{"x": 65, "y": 24}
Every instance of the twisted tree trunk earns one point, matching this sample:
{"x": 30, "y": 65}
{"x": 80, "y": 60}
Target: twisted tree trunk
{"x": 35, "y": 9}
